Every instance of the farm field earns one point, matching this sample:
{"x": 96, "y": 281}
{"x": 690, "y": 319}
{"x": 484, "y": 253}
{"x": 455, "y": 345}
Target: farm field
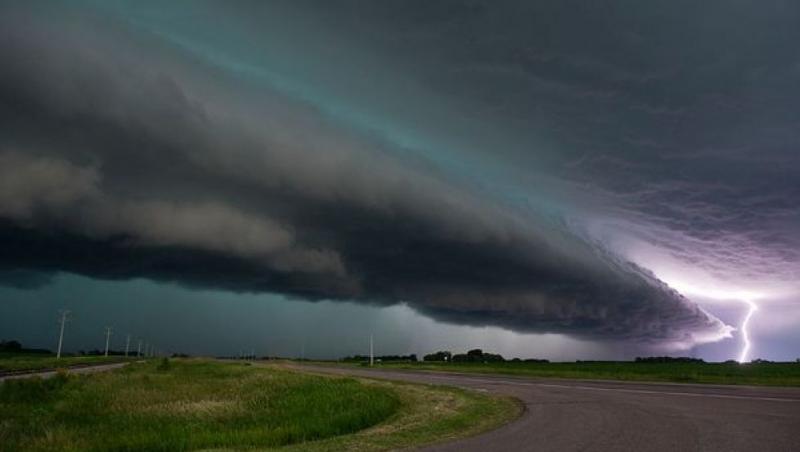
{"x": 11, "y": 362}
{"x": 765, "y": 373}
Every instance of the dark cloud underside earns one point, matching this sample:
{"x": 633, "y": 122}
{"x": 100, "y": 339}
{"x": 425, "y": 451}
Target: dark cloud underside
{"x": 129, "y": 153}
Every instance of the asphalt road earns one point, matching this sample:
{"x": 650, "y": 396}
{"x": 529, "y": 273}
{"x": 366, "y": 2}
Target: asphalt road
{"x": 74, "y": 370}
{"x": 579, "y": 415}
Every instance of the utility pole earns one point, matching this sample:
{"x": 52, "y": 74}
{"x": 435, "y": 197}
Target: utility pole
{"x": 139, "y": 349}
{"x": 64, "y": 314}
{"x": 108, "y": 338}
{"x": 127, "y": 345}
{"x": 371, "y": 352}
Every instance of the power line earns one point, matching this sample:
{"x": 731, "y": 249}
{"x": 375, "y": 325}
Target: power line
{"x": 63, "y": 320}
{"x": 108, "y": 338}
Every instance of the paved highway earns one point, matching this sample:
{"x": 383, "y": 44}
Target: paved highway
{"x": 579, "y": 415}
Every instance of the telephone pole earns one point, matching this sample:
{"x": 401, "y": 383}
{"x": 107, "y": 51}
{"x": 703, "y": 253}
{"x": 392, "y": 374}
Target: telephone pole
{"x": 139, "y": 349}
{"x": 64, "y": 314}
{"x": 127, "y": 345}
{"x": 371, "y": 352}
{"x": 108, "y": 338}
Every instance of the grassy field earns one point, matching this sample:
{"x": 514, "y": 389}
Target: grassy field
{"x": 195, "y": 404}
{"x": 18, "y": 361}
{"x": 770, "y": 374}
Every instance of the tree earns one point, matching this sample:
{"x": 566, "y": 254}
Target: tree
{"x": 10, "y": 346}
{"x": 477, "y": 356}
{"x": 438, "y": 356}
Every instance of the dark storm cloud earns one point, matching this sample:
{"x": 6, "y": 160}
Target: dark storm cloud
{"x": 125, "y": 156}
{"x": 678, "y": 120}
{"x": 24, "y": 279}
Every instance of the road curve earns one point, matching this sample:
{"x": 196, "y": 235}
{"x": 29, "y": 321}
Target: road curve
{"x": 579, "y": 415}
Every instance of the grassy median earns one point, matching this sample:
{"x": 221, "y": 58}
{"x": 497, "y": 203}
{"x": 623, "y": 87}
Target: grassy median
{"x": 428, "y": 414}
{"x": 195, "y": 404}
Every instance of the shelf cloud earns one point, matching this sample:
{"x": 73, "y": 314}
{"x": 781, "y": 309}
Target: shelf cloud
{"x": 128, "y": 152}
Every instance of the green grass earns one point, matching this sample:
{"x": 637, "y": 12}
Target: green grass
{"x": 17, "y": 361}
{"x": 196, "y": 404}
{"x": 768, "y": 374}
{"x": 428, "y": 414}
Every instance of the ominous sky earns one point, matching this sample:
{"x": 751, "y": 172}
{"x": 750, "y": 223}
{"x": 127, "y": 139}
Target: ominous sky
{"x": 559, "y": 179}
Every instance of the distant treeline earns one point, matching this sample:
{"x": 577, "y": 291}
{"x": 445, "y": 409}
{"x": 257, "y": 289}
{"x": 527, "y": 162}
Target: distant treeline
{"x": 667, "y": 359}
{"x": 97, "y": 352}
{"x": 247, "y": 357}
{"x": 382, "y": 358}
{"x": 475, "y": 356}
{"x": 16, "y": 347}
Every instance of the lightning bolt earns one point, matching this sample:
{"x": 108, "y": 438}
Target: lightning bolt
{"x": 745, "y": 334}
